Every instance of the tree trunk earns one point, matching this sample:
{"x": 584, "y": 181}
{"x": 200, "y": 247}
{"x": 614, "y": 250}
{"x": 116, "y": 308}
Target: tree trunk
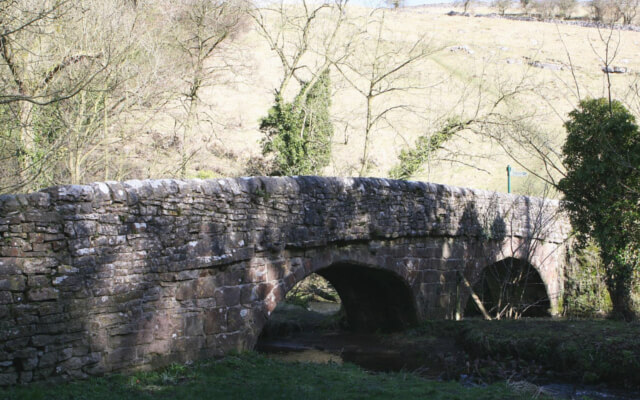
{"x": 621, "y": 302}
{"x": 619, "y": 284}
{"x": 368, "y": 126}
{"x": 26, "y": 143}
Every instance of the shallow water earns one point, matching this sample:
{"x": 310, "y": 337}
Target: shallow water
{"x": 368, "y": 352}
{"x": 365, "y": 350}
{"x": 569, "y": 391}
{"x": 324, "y": 307}
{"x": 438, "y": 358}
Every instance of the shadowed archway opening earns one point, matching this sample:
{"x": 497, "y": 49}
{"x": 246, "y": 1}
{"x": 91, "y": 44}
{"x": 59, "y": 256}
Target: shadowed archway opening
{"x": 373, "y": 299}
{"x": 510, "y": 288}
{"x": 344, "y": 297}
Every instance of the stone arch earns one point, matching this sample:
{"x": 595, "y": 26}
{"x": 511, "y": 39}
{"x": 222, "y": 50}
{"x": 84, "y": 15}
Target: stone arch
{"x": 510, "y": 288}
{"x": 377, "y": 296}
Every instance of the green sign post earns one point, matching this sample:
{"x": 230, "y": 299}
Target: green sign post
{"x": 508, "y": 178}
{"x": 511, "y": 172}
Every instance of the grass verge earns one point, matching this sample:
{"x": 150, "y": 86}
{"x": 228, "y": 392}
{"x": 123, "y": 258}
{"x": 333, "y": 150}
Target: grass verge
{"x": 253, "y": 376}
{"x": 587, "y": 351}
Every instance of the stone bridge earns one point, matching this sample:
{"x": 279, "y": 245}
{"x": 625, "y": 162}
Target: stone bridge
{"x": 118, "y": 276}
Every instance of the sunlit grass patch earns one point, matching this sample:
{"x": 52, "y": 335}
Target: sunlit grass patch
{"x": 253, "y": 376}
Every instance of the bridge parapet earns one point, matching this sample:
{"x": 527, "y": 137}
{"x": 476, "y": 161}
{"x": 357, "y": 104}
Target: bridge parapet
{"x": 120, "y": 275}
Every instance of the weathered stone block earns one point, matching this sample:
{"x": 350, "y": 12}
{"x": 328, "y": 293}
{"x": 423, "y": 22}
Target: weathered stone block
{"x": 98, "y": 340}
{"x": 43, "y": 294}
{"x": 43, "y": 340}
{"x": 119, "y": 356}
{"x": 193, "y": 325}
{"x": 8, "y": 378}
{"x": 13, "y": 283}
{"x": 38, "y": 281}
{"x": 26, "y": 376}
{"x": 206, "y": 287}
{"x": 186, "y": 290}
{"x": 158, "y": 347}
{"x": 6, "y": 297}
{"x": 215, "y": 321}
{"x": 27, "y": 364}
{"x": 163, "y": 326}
{"x": 120, "y": 341}
{"x": 188, "y": 348}
{"x": 237, "y": 318}
{"x": 48, "y": 359}
{"x": 11, "y": 266}
{"x": 229, "y": 296}
{"x": 39, "y": 265}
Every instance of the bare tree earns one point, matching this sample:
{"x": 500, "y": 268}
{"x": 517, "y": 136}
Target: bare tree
{"x": 19, "y": 21}
{"x": 304, "y": 44}
{"x": 39, "y": 67}
{"x": 604, "y": 11}
{"x": 308, "y": 39}
{"x": 501, "y": 5}
{"x": 380, "y": 76}
{"x": 555, "y": 8}
{"x": 204, "y": 28}
{"x": 465, "y": 4}
{"x": 565, "y": 8}
{"x": 628, "y": 9}
{"x": 80, "y": 74}
{"x": 92, "y": 124}
{"x": 490, "y": 111}
{"x": 526, "y": 6}
{"x": 546, "y": 8}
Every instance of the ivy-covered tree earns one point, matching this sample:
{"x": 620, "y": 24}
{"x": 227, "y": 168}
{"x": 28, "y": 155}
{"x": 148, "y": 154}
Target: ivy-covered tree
{"x": 413, "y": 159}
{"x": 602, "y": 190}
{"x": 299, "y": 134}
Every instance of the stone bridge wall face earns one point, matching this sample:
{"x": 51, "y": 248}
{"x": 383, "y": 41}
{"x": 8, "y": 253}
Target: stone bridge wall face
{"x": 114, "y": 276}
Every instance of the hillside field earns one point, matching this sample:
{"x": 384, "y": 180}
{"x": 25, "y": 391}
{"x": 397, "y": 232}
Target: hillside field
{"x": 117, "y": 90}
{"x": 474, "y": 60}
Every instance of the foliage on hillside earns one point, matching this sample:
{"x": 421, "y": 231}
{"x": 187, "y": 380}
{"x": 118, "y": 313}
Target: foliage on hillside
{"x": 413, "y": 159}
{"x": 585, "y": 290}
{"x": 115, "y": 90}
{"x": 299, "y": 133}
{"x": 602, "y": 190}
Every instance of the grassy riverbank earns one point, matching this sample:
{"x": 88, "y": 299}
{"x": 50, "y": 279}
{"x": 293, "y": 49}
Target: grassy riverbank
{"x": 252, "y": 376}
{"x": 591, "y": 351}
{"x": 584, "y": 351}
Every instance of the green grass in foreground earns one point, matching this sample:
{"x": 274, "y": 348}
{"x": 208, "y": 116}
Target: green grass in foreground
{"x": 253, "y": 376}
